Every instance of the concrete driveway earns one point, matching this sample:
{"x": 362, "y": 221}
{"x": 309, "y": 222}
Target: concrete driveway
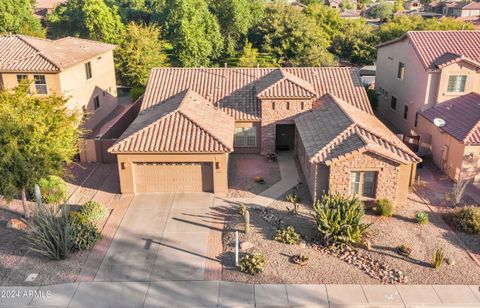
{"x": 163, "y": 236}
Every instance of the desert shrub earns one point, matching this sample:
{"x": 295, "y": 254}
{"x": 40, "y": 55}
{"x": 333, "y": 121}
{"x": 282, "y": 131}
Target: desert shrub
{"x": 293, "y": 198}
{"x": 338, "y": 219}
{"x": 468, "y": 220}
{"x": 437, "y": 258}
{"x": 253, "y": 263}
{"x": 287, "y": 236}
{"x": 85, "y": 232}
{"x": 51, "y": 234}
{"x": 93, "y": 211}
{"x": 242, "y": 208}
{"x": 421, "y": 217}
{"x": 384, "y": 207}
{"x": 53, "y": 189}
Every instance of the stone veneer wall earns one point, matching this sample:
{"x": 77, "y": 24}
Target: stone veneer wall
{"x": 387, "y": 176}
{"x": 284, "y": 112}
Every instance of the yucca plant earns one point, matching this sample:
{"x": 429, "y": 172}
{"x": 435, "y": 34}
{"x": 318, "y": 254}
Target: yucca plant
{"x": 338, "y": 219}
{"x": 51, "y": 233}
{"x": 437, "y": 258}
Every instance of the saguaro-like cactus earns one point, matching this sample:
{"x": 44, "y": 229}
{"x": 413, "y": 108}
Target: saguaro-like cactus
{"x": 246, "y": 217}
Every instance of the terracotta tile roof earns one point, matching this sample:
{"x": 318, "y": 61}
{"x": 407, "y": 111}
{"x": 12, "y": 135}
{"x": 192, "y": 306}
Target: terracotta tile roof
{"x": 184, "y": 123}
{"x": 281, "y": 84}
{"x": 336, "y": 128}
{"x": 431, "y": 46}
{"x": 235, "y": 90}
{"x": 472, "y": 6}
{"x": 48, "y": 4}
{"x": 461, "y": 116}
{"x": 19, "y": 53}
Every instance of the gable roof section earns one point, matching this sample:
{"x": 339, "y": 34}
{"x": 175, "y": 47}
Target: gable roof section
{"x": 474, "y": 5}
{"x": 432, "y": 46}
{"x": 234, "y": 90}
{"x": 184, "y": 123}
{"x": 461, "y": 115}
{"x": 281, "y": 84}
{"x": 19, "y": 53}
{"x": 335, "y": 128}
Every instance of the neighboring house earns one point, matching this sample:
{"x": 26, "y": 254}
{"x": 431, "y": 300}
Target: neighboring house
{"x": 455, "y": 138}
{"x": 413, "y": 5}
{"x": 80, "y": 70}
{"x": 191, "y": 119}
{"x": 367, "y": 75}
{"x": 44, "y": 7}
{"x": 454, "y": 8}
{"x": 342, "y": 4}
{"x": 421, "y": 70}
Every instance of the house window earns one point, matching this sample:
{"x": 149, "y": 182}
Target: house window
{"x": 288, "y": 105}
{"x": 88, "y": 70}
{"x": 302, "y": 105}
{"x": 456, "y": 83}
{"x": 273, "y": 105}
{"x": 21, "y": 78}
{"x": 405, "y": 112}
{"x": 40, "y": 84}
{"x": 416, "y": 119}
{"x": 96, "y": 102}
{"x": 363, "y": 183}
{"x": 246, "y": 137}
{"x": 401, "y": 70}
{"x": 393, "y": 103}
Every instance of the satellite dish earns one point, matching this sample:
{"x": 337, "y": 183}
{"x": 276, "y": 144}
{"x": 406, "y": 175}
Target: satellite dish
{"x": 439, "y": 122}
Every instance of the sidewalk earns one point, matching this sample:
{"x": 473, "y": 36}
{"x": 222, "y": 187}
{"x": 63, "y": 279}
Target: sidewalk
{"x": 231, "y": 294}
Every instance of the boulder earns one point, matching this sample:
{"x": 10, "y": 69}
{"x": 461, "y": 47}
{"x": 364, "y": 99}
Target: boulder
{"x": 246, "y": 246}
{"x": 16, "y": 224}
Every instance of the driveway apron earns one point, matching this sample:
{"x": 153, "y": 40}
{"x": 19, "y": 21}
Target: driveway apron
{"x": 163, "y": 236}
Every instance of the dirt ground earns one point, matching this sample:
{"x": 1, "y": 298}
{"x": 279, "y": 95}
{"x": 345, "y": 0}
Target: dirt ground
{"x": 243, "y": 168}
{"x": 385, "y": 235}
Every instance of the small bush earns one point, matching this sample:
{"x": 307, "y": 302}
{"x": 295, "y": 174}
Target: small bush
{"x": 384, "y": 208}
{"x": 253, "y": 263}
{"x": 293, "y": 198}
{"x": 136, "y": 92}
{"x": 437, "y": 258}
{"x": 468, "y": 220}
{"x": 422, "y": 217}
{"x": 53, "y": 189}
{"x": 51, "y": 235}
{"x": 85, "y": 233}
{"x": 93, "y": 211}
{"x": 338, "y": 219}
{"x": 287, "y": 236}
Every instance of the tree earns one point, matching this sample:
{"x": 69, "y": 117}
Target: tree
{"x": 138, "y": 11}
{"x": 194, "y": 32}
{"x": 327, "y": 18}
{"x": 356, "y": 43}
{"x": 249, "y": 57}
{"x": 90, "y": 19}
{"x": 139, "y": 51}
{"x": 382, "y": 11}
{"x": 236, "y": 18}
{"x": 38, "y": 136}
{"x": 292, "y": 37}
{"x": 398, "y": 6}
{"x": 16, "y": 17}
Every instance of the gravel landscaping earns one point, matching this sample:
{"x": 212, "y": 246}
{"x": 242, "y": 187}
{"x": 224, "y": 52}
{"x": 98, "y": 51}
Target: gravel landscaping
{"x": 363, "y": 266}
{"x": 243, "y": 168}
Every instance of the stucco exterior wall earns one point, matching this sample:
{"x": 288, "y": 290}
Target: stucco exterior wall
{"x": 461, "y": 68}
{"x": 81, "y": 91}
{"x": 411, "y": 91}
{"x": 388, "y": 176}
{"x": 220, "y": 174}
{"x": 279, "y": 111}
{"x": 52, "y": 80}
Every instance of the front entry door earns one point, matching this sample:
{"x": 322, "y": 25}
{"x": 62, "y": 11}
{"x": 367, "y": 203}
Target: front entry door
{"x": 285, "y": 137}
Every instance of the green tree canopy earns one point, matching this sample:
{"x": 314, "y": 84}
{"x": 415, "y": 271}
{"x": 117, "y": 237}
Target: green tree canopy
{"x": 16, "y": 17}
{"x": 249, "y": 57}
{"x": 194, "y": 32}
{"x": 292, "y": 37}
{"x": 38, "y": 137}
{"x": 140, "y": 50}
{"x": 236, "y": 18}
{"x": 327, "y": 18}
{"x": 382, "y": 11}
{"x": 91, "y": 19}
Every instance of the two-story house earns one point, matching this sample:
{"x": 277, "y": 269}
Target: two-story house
{"x": 80, "y": 70}
{"x": 421, "y": 70}
{"x": 191, "y": 119}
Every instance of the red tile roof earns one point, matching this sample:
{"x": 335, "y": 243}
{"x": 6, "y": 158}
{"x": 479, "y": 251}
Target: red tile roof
{"x": 472, "y": 6}
{"x": 431, "y": 46}
{"x": 19, "y": 53}
{"x": 235, "y": 90}
{"x": 281, "y": 84}
{"x": 336, "y": 128}
{"x": 461, "y": 116}
{"x": 184, "y": 123}
{"x": 48, "y": 4}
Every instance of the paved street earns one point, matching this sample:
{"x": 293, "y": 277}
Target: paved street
{"x": 163, "y": 236}
{"x": 230, "y": 294}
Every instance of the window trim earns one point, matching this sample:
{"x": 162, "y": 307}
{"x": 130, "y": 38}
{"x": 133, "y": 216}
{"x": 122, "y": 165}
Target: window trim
{"x": 394, "y": 108}
{"x": 401, "y": 70}
{"x": 96, "y": 101}
{"x": 37, "y": 85}
{"x": 405, "y": 112}
{"x": 88, "y": 70}
{"x": 245, "y": 136}
{"x": 361, "y": 183}
{"x": 465, "y": 77}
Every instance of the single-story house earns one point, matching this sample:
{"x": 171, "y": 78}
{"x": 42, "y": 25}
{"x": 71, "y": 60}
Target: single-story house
{"x": 191, "y": 119}
{"x": 452, "y": 131}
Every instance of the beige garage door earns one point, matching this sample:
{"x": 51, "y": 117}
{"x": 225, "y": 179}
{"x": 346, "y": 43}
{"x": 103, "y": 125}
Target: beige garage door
{"x": 173, "y": 177}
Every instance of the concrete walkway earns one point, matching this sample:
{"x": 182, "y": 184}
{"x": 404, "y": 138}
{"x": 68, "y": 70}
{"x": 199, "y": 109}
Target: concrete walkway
{"x": 290, "y": 178}
{"x": 231, "y": 294}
